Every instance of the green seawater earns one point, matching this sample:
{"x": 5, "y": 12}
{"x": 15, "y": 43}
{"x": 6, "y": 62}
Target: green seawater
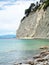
{"x": 12, "y": 50}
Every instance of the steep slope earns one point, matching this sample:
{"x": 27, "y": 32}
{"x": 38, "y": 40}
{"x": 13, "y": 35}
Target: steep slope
{"x": 36, "y": 25}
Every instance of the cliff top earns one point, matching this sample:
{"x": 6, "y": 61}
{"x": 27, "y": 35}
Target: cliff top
{"x": 34, "y": 7}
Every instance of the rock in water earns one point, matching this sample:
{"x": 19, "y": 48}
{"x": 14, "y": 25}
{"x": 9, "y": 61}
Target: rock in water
{"x": 37, "y": 56}
{"x": 44, "y": 47}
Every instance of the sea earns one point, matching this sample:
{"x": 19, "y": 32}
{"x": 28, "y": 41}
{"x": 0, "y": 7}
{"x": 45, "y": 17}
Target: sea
{"x": 14, "y": 50}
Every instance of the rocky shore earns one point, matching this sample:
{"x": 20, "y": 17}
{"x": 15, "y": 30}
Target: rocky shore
{"x": 40, "y": 59}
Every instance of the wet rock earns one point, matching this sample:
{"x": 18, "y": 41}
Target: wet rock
{"x": 41, "y": 63}
{"x": 37, "y": 56}
{"x": 48, "y": 62}
{"x": 44, "y": 47}
{"x": 41, "y": 59}
{"x": 46, "y": 57}
{"x": 42, "y": 52}
{"x": 31, "y": 62}
{"x": 45, "y": 63}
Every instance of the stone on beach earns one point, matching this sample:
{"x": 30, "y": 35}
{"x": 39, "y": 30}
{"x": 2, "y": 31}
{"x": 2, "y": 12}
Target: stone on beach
{"x": 46, "y": 57}
{"x": 45, "y": 63}
{"x": 41, "y": 59}
{"x": 44, "y": 47}
{"x": 40, "y": 63}
{"x": 31, "y": 62}
{"x": 37, "y": 56}
{"x": 43, "y": 54}
{"x": 44, "y": 51}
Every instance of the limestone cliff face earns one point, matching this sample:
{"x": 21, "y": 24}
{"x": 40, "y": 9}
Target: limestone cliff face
{"x": 36, "y": 25}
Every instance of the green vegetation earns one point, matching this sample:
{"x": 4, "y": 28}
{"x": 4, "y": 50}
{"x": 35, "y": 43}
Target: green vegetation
{"x": 46, "y": 5}
{"x": 40, "y": 6}
{"x": 33, "y": 7}
{"x": 27, "y": 11}
{"x": 36, "y": 7}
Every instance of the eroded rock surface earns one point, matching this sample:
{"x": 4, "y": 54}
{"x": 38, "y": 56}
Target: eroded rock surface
{"x": 36, "y": 25}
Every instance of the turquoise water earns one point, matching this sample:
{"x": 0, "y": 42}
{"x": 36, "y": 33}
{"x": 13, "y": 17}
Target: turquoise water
{"x": 12, "y": 50}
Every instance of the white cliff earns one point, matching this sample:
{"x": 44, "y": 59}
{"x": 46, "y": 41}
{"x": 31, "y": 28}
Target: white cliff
{"x": 35, "y": 25}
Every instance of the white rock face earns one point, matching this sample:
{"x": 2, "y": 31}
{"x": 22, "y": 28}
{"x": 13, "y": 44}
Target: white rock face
{"x": 36, "y": 25}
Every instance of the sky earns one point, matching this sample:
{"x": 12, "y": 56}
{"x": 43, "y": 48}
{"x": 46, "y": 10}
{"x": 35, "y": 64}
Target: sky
{"x": 11, "y": 12}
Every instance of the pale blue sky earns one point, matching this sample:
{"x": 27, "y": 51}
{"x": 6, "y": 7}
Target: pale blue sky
{"x": 11, "y": 12}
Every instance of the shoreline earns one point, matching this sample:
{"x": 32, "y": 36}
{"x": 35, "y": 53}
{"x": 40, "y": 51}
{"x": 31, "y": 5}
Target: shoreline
{"x": 27, "y": 38}
{"x": 42, "y": 58}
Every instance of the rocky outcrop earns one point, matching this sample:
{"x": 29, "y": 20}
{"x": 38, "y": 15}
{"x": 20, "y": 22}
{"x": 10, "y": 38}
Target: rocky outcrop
{"x": 35, "y": 25}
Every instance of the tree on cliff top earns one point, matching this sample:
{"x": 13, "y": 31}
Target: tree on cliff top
{"x": 27, "y": 11}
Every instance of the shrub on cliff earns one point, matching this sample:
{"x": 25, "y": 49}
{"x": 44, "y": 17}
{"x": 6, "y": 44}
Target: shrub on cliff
{"x": 36, "y": 7}
{"x": 42, "y": 1}
{"x": 46, "y": 5}
{"x": 23, "y": 18}
{"x": 27, "y": 11}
